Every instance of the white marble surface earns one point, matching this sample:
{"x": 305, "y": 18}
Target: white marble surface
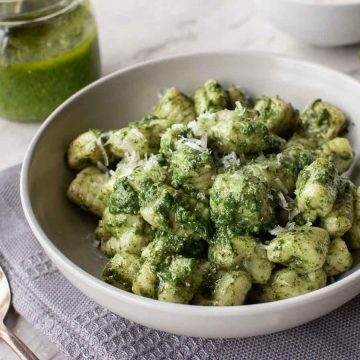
{"x": 138, "y": 30}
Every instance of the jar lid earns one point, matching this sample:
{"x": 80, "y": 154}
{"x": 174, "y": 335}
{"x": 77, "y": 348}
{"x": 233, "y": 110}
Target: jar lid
{"x": 17, "y": 12}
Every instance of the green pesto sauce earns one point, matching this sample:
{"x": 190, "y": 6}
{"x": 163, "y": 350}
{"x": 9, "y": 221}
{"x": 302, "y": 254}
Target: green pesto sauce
{"x": 43, "y": 64}
{"x": 123, "y": 199}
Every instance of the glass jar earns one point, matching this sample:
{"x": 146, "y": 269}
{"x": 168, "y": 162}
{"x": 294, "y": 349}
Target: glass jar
{"x": 48, "y": 50}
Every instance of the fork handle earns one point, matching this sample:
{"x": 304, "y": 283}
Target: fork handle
{"x": 20, "y": 349}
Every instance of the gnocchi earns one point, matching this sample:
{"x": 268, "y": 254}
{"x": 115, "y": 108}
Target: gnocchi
{"x": 220, "y": 199}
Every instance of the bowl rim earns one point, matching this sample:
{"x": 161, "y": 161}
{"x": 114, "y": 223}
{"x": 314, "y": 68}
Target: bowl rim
{"x": 193, "y": 310}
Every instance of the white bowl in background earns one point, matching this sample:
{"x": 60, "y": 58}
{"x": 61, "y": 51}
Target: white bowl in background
{"x": 325, "y": 24}
{"x": 66, "y": 233}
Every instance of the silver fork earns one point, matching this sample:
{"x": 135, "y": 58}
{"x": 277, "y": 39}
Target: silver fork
{"x": 20, "y": 349}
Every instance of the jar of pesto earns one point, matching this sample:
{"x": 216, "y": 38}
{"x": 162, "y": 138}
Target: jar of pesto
{"x": 48, "y": 50}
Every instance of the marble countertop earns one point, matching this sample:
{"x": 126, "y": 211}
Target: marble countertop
{"x": 139, "y": 30}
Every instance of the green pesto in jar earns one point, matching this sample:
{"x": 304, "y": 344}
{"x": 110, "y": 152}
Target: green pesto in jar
{"x": 43, "y": 63}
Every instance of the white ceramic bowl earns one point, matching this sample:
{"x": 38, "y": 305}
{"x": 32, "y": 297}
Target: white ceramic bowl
{"x": 66, "y": 233}
{"x": 319, "y": 24}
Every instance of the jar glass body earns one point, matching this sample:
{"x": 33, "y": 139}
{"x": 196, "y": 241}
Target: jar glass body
{"x": 46, "y": 55}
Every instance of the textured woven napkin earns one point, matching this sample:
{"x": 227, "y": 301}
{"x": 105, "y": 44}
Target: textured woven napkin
{"x": 85, "y": 330}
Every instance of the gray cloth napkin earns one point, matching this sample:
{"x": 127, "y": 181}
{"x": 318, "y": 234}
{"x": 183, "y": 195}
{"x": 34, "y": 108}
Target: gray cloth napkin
{"x": 84, "y": 330}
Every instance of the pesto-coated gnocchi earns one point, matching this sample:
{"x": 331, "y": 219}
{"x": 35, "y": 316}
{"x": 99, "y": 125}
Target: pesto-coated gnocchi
{"x": 87, "y": 149}
{"x": 341, "y": 217}
{"x": 229, "y": 251}
{"x": 209, "y": 98}
{"x": 303, "y": 248}
{"x": 339, "y": 151}
{"x": 239, "y": 131}
{"x": 338, "y": 259}
{"x": 85, "y": 190}
{"x": 220, "y": 199}
{"x": 285, "y": 283}
{"x": 191, "y": 166}
{"x": 279, "y": 116}
{"x": 316, "y": 189}
{"x": 123, "y": 232}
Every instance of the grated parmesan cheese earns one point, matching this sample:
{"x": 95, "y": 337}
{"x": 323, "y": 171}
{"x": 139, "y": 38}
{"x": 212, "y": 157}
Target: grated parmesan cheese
{"x": 293, "y": 213}
{"x": 128, "y": 164}
{"x": 290, "y": 225}
{"x": 178, "y": 126}
{"x": 275, "y": 230}
{"x": 150, "y": 162}
{"x": 282, "y": 282}
{"x": 191, "y": 125}
{"x": 283, "y": 202}
{"x": 239, "y": 106}
{"x": 99, "y": 143}
{"x": 101, "y": 167}
{"x": 196, "y": 144}
{"x": 204, "y": 139}
{"x": 206, "y": 116}
{"x": 230, "y": 160}
{"x": 195, "y": 126}
{"x": 137, "y": 133}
